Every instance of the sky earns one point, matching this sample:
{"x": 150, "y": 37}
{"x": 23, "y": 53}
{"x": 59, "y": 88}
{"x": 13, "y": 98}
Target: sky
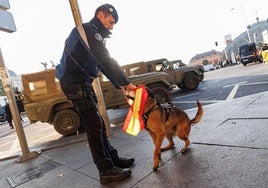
{"x": 146, "y": 30}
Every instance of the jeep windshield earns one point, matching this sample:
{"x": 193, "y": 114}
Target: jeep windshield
{"x": 176, "y": 64}
{"x": 161, "y": 66}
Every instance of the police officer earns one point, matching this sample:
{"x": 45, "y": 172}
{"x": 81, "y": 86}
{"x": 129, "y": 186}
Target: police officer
{"x": 76, "y": 85}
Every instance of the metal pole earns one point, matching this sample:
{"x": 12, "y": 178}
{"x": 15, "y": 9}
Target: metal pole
{"x": 96, "y": 84}
{"x": 244, "y": 17}
{"x": 26, "y": 154}
{"x": 76, "y": 12}
{"x": 249, "y": 39}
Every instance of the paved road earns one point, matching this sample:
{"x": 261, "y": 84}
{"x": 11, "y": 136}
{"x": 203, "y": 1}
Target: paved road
{"x": 225, "y": 84}
{"x": 38, "y": 134}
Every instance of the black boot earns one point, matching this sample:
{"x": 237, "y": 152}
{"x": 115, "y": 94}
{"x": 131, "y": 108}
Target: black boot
{"x": 124, "y": 163}
{"x": 11, "y": 126}
{"x": 114, "y": 174}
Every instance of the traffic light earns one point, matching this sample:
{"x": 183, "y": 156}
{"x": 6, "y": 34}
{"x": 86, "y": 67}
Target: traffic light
{"x": 216, "y": 43}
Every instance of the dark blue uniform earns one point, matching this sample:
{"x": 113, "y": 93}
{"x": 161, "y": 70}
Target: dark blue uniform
{"x": 77, "y": 86}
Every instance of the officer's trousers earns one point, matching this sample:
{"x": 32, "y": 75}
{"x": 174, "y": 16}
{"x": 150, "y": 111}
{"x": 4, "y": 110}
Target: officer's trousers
{"x": 85, "y": 103}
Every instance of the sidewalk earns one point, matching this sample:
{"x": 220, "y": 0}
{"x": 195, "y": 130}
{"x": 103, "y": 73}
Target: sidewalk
{"x": 229, "y": 149}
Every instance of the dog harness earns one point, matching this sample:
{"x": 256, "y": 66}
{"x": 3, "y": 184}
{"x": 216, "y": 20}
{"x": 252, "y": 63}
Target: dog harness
{"x": 165, "y": 106}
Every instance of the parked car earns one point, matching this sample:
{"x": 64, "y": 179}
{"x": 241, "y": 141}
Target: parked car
{"x": 3, "y": 102}
{"x": 209, "y": 67}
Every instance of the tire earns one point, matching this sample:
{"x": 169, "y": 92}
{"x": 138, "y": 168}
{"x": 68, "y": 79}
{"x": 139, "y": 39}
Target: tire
{"x": 190, "y": 82}
{"x": 162, "y": 94}
{"x": 201, "y": 77}
{"x": 260, "y": 59}
{"x": 66, "y": 122}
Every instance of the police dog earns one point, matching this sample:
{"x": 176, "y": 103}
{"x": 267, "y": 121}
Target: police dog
{"x": 167, "y": 121}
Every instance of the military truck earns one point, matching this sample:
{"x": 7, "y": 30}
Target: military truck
{"x": 44, "y": 100}
{"x": 185, "y": 77}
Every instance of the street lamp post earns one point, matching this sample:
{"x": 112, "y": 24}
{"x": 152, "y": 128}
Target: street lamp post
{"x": 243, "y": 13}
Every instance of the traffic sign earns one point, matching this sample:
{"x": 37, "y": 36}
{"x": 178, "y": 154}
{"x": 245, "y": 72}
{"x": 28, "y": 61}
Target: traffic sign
{"x": 4, "y": 4}
{"x": 7, "y": 23}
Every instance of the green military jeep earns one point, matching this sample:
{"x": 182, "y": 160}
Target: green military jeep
{"x": 185, "y": 77}
{"x": 158, "y": 82}
{"x": 44, "y": 100}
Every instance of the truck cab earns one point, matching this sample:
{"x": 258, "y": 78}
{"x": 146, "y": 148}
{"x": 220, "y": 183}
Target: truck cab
{"x": 249, "y": 53}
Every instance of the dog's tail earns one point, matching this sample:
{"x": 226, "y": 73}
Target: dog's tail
{"x": 199, "y": 114}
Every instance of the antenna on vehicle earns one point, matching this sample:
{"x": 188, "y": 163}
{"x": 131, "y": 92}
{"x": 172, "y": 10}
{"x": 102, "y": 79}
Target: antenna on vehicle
{"x": 45, "y": 65}
{"x": 53, "y": 64}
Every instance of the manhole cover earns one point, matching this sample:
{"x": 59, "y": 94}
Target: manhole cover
{"x": 31, "y": 173}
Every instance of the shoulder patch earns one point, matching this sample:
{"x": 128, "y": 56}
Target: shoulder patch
{"x": 98, "y": 37}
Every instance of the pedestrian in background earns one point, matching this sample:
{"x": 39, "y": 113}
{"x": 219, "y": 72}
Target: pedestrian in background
{"x": 20, "y": 105}
{"x": 264, "y": 54}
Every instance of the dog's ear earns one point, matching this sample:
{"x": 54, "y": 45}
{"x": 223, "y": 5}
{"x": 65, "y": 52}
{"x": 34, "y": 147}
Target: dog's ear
{"x": 150, "y": 92}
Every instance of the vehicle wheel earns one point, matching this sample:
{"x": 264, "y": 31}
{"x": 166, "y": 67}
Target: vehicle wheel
{"x": 190, "y": 82}
{"x": 201, "y": 77}
{"x": 181, "y": 87}
{"x": 66, "y": 122}
{"x": 162, "y": 94}
{"x": 260, "y": 59}
{"x": 244, "y": 64}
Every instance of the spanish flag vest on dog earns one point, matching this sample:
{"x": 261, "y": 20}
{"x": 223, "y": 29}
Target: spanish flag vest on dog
{"x": 133, "y": 123}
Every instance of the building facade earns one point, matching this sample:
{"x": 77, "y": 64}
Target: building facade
{"x": 212, "y": 57}
{"x": 257, "y": 33}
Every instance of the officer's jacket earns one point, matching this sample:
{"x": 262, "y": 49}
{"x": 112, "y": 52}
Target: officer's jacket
{"x": 93, "y": 60}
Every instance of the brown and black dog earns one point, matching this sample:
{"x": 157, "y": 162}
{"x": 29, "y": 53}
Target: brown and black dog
{"x": 167, "y": 121}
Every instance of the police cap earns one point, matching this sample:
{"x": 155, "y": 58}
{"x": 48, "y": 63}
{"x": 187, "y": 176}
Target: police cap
{"x": 108, "y": 9}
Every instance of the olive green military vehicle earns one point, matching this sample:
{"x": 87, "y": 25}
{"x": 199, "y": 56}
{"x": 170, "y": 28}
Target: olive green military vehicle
{"x": 44, "y": 100}
{"x": 185, "y": 77}
{"x": 158, "y": 82}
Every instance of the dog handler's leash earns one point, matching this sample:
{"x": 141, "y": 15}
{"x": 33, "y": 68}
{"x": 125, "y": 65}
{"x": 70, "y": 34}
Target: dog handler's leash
{"x": 130, "y": 97}
{"x": 82, "y": 34}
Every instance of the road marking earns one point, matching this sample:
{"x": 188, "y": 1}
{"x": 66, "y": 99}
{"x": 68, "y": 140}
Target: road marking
{"x": 245, "y": 84}
{"x": 240, "y": 83}
{"x": 236, "y": 86}
{"x": 233, "y": 92}
{"x": 187, "y": 95}
{"x": 212, "y": 101}
{"x": 254, "y": 83}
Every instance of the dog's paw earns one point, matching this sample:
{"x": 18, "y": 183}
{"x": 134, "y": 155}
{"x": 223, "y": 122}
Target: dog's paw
{"x": 155, "y": 168}
{"x": 183, "y": 151}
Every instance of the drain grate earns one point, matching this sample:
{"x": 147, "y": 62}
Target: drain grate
{"x": 31, "y": 173}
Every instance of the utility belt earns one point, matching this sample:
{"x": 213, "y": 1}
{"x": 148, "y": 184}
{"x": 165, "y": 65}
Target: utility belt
{"x": 82, "y": 91}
